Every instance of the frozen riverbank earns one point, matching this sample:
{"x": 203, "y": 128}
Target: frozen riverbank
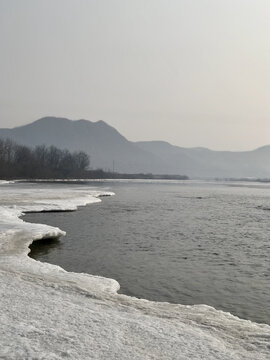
{"x": 49, "y": 313}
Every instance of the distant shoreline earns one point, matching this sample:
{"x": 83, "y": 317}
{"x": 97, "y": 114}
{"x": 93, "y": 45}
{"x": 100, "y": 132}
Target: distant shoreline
{"x": 101, "y": 174}
{"x": 92, "y": 174}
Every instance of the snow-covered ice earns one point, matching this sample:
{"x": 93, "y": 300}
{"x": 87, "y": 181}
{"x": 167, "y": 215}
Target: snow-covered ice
{"x": 49, "y": 313}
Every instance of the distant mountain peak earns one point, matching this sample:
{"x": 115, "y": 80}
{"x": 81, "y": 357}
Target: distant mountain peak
{"x": 63, "y": 120}
{"x": 52, "y": 118}
{"x": 263, "y": 148}
{"x": 101, "y": 122}
{"x": 108, "y": 149}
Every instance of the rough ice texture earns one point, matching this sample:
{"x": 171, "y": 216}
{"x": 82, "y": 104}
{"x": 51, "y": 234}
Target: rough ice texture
{"x": 48, "y": 313}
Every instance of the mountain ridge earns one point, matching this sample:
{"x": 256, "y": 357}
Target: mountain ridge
{"x": 110, "y": 150}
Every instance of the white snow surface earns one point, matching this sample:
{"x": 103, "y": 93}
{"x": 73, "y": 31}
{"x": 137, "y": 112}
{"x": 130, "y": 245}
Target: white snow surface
{"x": 3, "y": 182}
{"x": 49, "y": 313}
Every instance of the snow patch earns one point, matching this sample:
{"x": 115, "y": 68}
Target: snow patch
{"x": 49, "y": 313}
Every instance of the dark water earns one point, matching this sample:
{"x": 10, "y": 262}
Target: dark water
{"x": 182, "y": 243}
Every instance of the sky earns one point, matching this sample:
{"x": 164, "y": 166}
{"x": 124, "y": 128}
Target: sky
{"x": 190, "y": 72}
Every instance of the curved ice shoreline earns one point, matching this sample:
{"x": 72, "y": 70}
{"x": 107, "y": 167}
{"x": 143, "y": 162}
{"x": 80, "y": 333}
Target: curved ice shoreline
{"x": 81, "y": 316}
{"x": 16, "y": 235}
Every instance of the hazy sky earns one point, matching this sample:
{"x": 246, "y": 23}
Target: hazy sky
{"x": 192, "y": 72}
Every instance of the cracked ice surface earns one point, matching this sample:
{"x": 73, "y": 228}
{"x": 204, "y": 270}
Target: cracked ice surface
{"x": 48, "y": 313}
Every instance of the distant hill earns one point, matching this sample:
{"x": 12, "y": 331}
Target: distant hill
{"x": 105, "y": 145}
{"x": 202, "y": 162}
{"x": 109, "y": 150}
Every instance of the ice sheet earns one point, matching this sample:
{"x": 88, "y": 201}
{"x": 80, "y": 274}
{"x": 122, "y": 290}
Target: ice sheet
{"x": 48, "y": 313}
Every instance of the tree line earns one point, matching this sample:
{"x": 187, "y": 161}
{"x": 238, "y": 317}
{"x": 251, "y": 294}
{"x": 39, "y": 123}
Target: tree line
{"x": 20, "y": 161}
{"x": 49, "y": 162}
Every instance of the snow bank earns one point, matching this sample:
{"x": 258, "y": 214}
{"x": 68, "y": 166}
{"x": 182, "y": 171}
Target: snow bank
{"x": 3, "y": 182}
{"x": 48, "y": 313}
{"x": 16, "y": 235}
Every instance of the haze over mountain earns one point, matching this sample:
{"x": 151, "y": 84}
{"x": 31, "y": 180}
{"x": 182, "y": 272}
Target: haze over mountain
{"x": 109, "y": 150}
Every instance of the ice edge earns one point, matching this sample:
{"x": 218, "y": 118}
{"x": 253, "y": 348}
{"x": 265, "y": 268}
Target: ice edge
{"x": 18, "y": 235}
{"x": 14, "y": 249}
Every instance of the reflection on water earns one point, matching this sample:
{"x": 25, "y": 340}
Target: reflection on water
{"x": 43, "y": 247}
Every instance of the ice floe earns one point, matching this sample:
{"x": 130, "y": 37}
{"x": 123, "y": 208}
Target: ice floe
{"x": 49, "y": 313}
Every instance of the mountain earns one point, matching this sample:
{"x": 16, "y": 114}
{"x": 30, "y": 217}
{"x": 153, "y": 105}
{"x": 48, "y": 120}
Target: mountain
{"x": 202, "y": 162}
{"x": 109, "y": 150}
